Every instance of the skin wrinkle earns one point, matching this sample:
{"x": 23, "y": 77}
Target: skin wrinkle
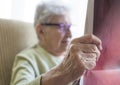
{"x": 87, "y": 59}
{"x": 69, "y": 65}
{"x": 87, "y": 56}
{"x": 86, "y": 49}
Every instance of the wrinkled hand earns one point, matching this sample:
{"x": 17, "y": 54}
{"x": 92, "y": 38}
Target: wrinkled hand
{"x": 81, "y": 56}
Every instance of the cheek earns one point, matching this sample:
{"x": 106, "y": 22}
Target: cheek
{"x": 55, "y": 37}
{"x": 58, "y": 38}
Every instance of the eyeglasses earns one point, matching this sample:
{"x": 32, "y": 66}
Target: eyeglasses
{"x": 63, "y": 27}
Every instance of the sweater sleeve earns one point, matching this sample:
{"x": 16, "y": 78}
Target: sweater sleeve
{"x": 23, "y": 72}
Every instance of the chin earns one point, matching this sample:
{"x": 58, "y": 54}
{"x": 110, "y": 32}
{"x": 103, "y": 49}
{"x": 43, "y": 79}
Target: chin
{"x": 61, "y": 51}
{"x": 64, "y": 48}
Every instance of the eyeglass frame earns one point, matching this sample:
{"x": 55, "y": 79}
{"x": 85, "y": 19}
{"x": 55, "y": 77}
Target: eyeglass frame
{"x": 60, "y": 25}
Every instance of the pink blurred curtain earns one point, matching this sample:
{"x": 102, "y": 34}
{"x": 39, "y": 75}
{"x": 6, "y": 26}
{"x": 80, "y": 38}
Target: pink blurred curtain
{"x": 107, "y": 28}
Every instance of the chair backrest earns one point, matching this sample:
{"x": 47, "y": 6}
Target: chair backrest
{"x": 14, "y": 37}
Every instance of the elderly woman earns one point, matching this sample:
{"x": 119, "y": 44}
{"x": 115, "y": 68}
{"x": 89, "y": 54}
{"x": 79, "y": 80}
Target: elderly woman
{"x": 41, "y": 64}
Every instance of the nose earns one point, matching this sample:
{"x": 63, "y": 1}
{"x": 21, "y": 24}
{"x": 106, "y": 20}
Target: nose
{"x": 68, "y": 33}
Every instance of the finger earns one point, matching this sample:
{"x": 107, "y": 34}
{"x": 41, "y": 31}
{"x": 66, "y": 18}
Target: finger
{"x": 89, "y": 64}
{"x": 89, "y": 48}
{"x": 88, "y": 39}
{"x": 86, "y": 48}
{"x": 91, "y": 55}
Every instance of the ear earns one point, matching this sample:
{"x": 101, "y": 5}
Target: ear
{"x": 39, "y": 30}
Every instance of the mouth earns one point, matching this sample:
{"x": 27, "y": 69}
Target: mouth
{"x": 66, "y": 42}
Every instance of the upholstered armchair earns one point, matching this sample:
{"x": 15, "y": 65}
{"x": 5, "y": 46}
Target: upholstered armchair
{"x": 14, "y": 37}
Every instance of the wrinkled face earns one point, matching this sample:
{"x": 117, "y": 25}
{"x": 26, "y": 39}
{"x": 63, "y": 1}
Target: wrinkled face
{"x": 56, "y": 35}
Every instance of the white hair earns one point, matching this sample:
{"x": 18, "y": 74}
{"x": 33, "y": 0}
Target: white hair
{"x": 45, "y": 10}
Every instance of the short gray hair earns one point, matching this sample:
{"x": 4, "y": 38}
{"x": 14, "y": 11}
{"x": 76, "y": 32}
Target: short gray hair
{"x": 45, "y": 10}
